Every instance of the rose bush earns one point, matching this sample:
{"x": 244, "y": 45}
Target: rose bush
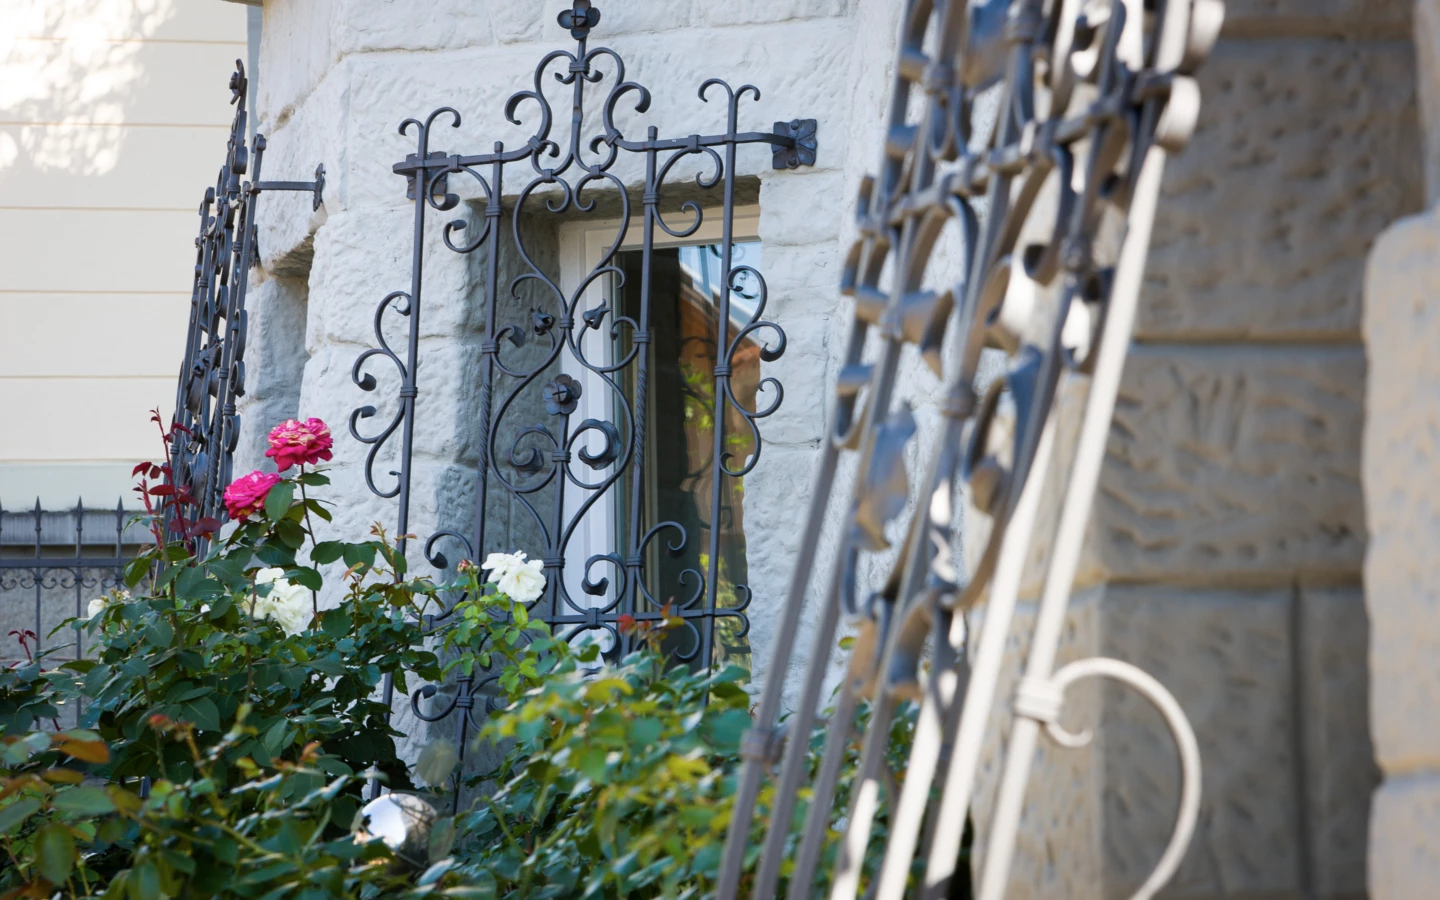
{"x": 226, "y": 729}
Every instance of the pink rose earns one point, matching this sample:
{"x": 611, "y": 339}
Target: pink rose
{"x": 299, "y": 443}
{"x": 246, "y": 495}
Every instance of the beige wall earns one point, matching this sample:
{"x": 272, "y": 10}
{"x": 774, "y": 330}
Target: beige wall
{"x": 113, "y": 119}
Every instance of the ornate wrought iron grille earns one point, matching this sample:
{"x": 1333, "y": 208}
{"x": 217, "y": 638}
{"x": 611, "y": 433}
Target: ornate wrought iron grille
{"x": 52, "y": 564}
{"x": 1092, "y": 95}
{"x": 212, "y": 373}
{"x": 581, "y": 460}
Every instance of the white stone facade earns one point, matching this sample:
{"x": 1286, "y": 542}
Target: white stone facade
{"x": 1226, "y": 552}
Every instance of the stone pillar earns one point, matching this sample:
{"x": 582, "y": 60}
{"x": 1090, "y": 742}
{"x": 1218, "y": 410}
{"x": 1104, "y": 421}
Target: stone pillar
{"x": 1402, "y": 505}
{"x": 1228, "y": 536}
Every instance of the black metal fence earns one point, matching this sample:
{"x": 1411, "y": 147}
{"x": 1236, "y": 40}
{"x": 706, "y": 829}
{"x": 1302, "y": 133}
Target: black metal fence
{"x": 53, "y": 563}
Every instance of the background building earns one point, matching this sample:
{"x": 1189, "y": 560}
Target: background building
{"x": 112, "y": 122}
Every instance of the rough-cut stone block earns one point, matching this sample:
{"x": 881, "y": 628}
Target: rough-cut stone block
{"x": 364, "y": 255}
{"x": 1402, "y": 503}
{"x": 642, "y": 18}
{"x": 274, "y": 364}
{"x": 1233, "y": 464}
{"x": 521, "y": 22}
{"x": 1404, "y": 854}
{"x": 294, "y": 147}
{"x": 297, "y": 51}
{"x": 1306, "y": 149}
{"x": 445, "y": 407}
{"x": 1427, "y": 64}
{"x": 1227, "y": 659}
{"x": 748, "y": 12}
{"x": 776, "y": 494}
{"x": 1339, "y": 763}
{"x": 1328, "y": 18}
{"x": 788, "y": 207}
{"x": 367, "y": 25}
{"x": 387, "y": 89}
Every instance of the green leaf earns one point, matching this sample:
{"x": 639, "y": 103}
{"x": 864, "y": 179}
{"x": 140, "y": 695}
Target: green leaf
{"x": 277, "y": 502}
{"x": 305, "y": 577}
{"x": 111, "y": 830}
{"x": 442, "y": 841}
{"x": 357, "y": 554}
{"x": 17, "y": 812}
{"x": 290, "y": 533}
{"x": 195, "y": 584}
{"x": 144, "y": 882}
{"x": 336, "y": 622}
{"x": 592, "y": 764}
{"x": 645, "y": 731}
{"x": 313, "y": 479}
{"x": 330, "y": 665}
{"x": 55, "y": 853}
{"x": 84, "y": 801}
{"x": 159, "y": 633}
{"x": 203, "y": 712}
{"x": 135, "y": 571}
{"x": 274, "y": 553}
{"x": 327, "y": 552}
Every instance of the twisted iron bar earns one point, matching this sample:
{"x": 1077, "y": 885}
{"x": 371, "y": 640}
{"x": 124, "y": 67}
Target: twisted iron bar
{"x": 580, "y": 462}
{"x": 212, "y": 372}
{"x": 1091, "y": 97}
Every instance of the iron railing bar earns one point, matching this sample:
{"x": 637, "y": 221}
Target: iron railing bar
{"x": 410, "y": 166}
{"x": 1074, "y": 518}
{"x": 59, "y": 562}
{"x": 799, "y": 724}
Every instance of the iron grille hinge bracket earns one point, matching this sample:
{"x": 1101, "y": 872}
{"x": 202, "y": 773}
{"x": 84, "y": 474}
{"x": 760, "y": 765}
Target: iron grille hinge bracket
{"x": 800, "y": 149}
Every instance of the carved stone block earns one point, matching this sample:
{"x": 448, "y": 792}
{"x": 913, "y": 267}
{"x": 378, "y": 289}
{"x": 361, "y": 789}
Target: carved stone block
{"x": 1306, "y": 149}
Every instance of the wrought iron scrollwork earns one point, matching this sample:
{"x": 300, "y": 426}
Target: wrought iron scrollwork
{"x": 1090, "y": 96}
{"x": 587, "y": 448}
{"x": 212, "y": 373}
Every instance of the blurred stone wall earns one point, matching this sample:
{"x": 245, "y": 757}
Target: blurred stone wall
{"x": 1227, "y": 541}
{"x": 1402, "y": 506}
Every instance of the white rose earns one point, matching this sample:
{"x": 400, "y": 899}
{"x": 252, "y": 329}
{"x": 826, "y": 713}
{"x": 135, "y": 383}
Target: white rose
{"x": 524, "y": 583}
{"x": 100, "y": 604}
{"x": 500, "y": 564}
{"x": 287, "y": 604}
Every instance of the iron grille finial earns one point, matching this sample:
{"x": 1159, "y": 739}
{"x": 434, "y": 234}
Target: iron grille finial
{"x": 580, "y": 18}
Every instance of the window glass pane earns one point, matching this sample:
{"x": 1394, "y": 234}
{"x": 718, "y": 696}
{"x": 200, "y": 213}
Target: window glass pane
{"x": 681, "y": 414}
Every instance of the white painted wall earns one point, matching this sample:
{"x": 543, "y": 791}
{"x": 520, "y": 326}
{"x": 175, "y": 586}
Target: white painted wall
{"x": 113, "y": 119}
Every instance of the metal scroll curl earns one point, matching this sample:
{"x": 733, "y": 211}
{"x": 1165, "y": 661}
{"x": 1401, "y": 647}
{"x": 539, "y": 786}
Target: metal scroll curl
{"x": 1053, "y": 200}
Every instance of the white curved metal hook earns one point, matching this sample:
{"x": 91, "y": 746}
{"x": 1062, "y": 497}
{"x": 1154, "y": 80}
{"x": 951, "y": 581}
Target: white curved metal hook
{"x": 1185, "y": 743}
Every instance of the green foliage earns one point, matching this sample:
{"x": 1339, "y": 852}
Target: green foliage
{"x": 253, "y": 737}
{"x": 272, "y": 835}
{"x": 220, "y": 753}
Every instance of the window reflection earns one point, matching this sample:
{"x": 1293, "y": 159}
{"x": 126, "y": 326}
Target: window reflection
{"x": 679, "y": 471}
